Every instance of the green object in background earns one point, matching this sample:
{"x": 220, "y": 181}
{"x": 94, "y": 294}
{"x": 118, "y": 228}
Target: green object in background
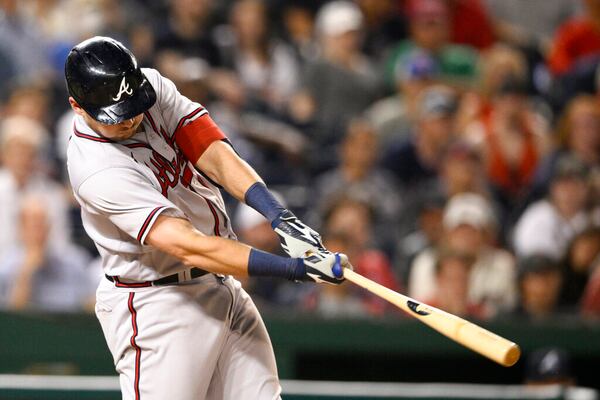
{"x": 310, "y": 348}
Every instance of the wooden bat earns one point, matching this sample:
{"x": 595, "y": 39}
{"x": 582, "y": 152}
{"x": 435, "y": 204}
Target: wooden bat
{"x": 480, "y": 340}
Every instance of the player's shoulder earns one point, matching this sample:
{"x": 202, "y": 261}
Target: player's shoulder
{"x": 163, "y": 87}
{"x": 88, "y": 154}
{"x": 153, "y": 76}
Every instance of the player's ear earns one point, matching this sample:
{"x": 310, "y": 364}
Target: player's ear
{"x": 75, "y": 106}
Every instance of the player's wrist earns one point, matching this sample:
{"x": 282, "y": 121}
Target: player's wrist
{"x": 261, "y": 263}
{"x": 262, "y": 200}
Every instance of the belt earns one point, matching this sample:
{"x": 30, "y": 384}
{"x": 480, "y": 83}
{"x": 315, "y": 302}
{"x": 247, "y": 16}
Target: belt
{"x": 167, "y": 280}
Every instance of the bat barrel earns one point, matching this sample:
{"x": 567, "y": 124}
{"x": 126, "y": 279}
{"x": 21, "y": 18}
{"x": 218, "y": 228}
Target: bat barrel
{"x": 486, "y": 343}
{"x": 474, "y": 337}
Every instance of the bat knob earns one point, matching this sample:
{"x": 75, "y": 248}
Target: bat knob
{"x": 337, "y": 269}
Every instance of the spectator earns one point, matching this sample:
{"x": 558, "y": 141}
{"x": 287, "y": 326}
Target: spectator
{"x": 21, "y": 142}
{"x": 298, "y": 22}
{"x": 430, "y": 31}
{"x": 35, "y": 275}
{"x": 349, "y": 228}
{"x": 578, "y": 134}
{"x": 582, "y": 254}
{"x": 266, "y": 67}
{"x": 499, "y": 63}
{"x": 581, "y": 131}
{"x": 576, "y": 39}
{"x": 540, "y": 281}
{"x": 416, "y": 160}
{"x": 358, "y": 173}
{"x": 394, "y": 116}
{"x": 461, "y": 171}
{"x": 22, "y": 46}
{"x": 30, "y": 101}
{"x": 339, "y": 85}
{"x": 496, "y": 65}
{"x": 425, "y": 232}
{"x": 187, "y": 30}
{"x": 548, "y": 225}
{"x": 469, "y": 226}
{"x": 452, "y": 272}
{"x": 511, "y": 142}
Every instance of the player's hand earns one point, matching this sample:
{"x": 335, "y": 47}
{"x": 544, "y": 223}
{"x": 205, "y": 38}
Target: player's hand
{"x": 326, "y": 267}
{"x": 297, "y": 239}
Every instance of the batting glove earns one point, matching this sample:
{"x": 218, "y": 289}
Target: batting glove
{"x": 297, "y": 239}
{"x": 326, "y": 267}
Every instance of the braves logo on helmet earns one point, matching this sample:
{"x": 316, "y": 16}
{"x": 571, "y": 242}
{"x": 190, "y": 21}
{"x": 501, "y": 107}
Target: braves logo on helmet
{"x": 123, "y": 89}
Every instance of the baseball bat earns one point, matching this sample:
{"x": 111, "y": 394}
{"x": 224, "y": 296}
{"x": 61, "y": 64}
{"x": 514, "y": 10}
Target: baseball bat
{"x": 474, "y": 337}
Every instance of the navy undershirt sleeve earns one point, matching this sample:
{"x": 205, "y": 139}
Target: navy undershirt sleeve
{"x": 261, "y": 263}
{"x": 263, "y": 201}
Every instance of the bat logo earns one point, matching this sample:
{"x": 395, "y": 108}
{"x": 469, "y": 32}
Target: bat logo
{"x": 413, "y": 307}
{"x": 124, "y": 88}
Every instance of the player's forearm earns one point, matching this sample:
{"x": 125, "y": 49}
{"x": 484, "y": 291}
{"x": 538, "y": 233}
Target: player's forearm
{"x": 215, "y": 254}
{"x": 178, "y": 237}
{"x": 224, "y": 166}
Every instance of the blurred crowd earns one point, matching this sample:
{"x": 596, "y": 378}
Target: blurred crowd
{"x": 450, "y": 147}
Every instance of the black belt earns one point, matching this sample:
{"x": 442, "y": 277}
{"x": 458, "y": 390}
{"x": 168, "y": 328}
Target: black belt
{"x": 167, "y": 280}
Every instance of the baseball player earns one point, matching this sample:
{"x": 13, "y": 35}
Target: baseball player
{"x": 146, "y": 165}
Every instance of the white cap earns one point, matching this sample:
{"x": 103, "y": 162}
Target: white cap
{"x": 338, "y": 17}
{"x": 468, "y": 209}
{"x": 23, "y": 129}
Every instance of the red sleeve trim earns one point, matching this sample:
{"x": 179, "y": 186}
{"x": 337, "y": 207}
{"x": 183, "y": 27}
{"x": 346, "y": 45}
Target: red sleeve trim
{"x": 194, "y": 138}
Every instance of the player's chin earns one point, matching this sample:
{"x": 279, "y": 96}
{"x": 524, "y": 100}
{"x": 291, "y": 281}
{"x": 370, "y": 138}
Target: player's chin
{"x": 124, "y": 134}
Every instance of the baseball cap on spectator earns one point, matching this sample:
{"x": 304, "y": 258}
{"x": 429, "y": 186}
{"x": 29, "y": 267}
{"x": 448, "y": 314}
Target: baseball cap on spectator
{"x": 436, "y": 101}
{"x": 427, "y": 9}
{"x": 414, "y": 65}
{"x": 468, "y": 209}
{"x": 338, "y": 17}
{"x": 548, "y": 365}
{"x": 569, "y": 166}
{"x": 536, "y": 263}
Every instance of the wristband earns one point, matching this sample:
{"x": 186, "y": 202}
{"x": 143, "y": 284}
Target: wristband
{"x": 261, "y": 263}
{"x": 263, "y": 201}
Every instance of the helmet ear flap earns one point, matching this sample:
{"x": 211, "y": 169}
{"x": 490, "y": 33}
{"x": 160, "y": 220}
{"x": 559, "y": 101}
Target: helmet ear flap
{"x": 103, "y": 77}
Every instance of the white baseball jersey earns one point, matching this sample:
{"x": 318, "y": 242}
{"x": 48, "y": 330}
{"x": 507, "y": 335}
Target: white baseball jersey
{"x": 124, "y": 186}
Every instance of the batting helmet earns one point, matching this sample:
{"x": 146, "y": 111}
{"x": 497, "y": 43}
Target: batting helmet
{"x": 103, "y": 77}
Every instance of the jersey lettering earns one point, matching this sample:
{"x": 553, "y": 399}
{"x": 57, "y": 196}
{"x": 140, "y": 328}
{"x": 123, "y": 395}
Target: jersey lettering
{"x": 170, "y": 173}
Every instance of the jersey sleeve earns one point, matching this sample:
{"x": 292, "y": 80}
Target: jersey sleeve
{"x": 192, "y": 127}
{"x": 127, "y": 199}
